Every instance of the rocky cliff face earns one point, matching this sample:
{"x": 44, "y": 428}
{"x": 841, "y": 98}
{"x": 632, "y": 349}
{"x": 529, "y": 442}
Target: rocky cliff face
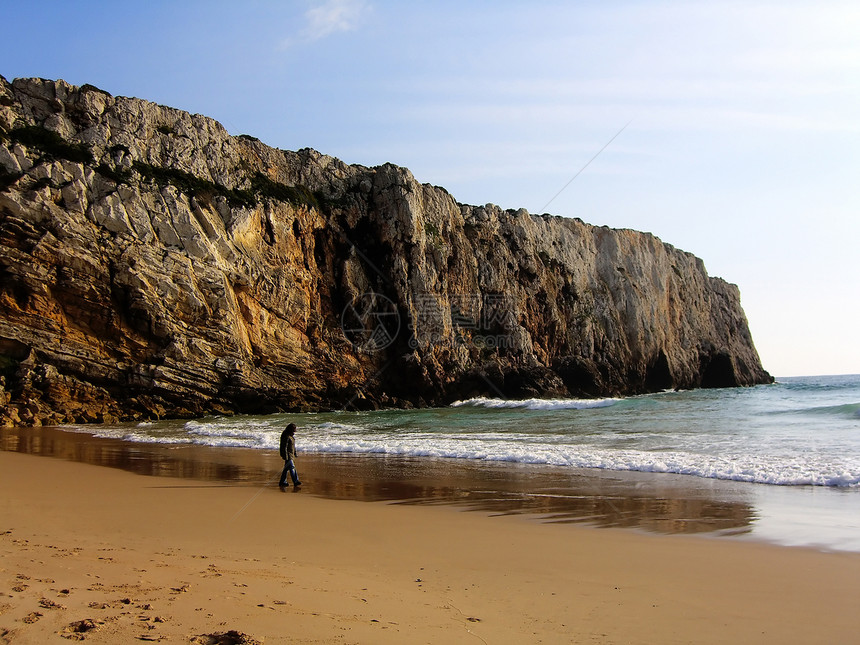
{"x": 151, "y": 264}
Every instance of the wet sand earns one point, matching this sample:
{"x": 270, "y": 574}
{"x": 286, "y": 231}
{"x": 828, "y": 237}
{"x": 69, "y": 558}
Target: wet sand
{"x": 106, "y": 555}
{"x": 663, "y": 504}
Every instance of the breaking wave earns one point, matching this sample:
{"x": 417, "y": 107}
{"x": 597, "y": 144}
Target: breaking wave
{"x": 535, "y": 404}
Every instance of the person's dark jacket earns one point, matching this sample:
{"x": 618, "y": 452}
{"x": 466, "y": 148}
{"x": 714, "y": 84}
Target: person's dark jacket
{"x": 288, "y": 446}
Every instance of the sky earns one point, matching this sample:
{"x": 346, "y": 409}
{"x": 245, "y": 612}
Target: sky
{"x": 733, "y": 128}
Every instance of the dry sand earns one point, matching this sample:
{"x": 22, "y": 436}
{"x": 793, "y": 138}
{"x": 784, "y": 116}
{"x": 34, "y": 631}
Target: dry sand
{"x": 107, "y": 556}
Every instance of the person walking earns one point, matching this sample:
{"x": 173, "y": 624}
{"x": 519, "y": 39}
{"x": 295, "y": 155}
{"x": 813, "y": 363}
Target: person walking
{"x": 288, "y": 451}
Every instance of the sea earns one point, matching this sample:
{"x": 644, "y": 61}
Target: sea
{"x": 777, "y": 462}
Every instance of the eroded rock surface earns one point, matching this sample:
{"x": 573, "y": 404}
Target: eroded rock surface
{"x": 153, "y": 265}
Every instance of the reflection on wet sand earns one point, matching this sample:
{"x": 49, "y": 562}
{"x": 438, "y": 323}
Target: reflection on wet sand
{"x": 657, "y": 503}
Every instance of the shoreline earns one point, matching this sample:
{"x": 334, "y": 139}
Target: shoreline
{"x": 666, "y": 504}
{"x": 153, "y": 559}
{"x": 810, "y": 516}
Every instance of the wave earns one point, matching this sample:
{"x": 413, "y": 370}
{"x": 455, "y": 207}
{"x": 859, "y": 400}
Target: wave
{"x": 832, "y": 383}
{"x": 221, "y": 434}
{"x": 765, "y": 435}
{"x": 803, "y": 470}
{"x": 845, "y": 410}
{"x": 752, "y": 469}
{"x": 535, "y": 404}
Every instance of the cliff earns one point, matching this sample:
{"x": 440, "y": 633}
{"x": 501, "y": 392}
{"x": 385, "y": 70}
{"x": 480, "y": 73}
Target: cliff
{"x": 153, "y": 265}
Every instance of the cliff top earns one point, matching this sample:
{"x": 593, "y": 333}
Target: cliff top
{"x": 174, "y": 122}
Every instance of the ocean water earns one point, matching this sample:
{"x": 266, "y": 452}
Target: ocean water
{"x": 802, "y": 431}
{"x": 779, "y": 462}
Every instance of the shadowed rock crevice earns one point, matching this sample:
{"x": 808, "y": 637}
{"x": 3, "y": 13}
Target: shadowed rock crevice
{"x": 153, "y": 265}
{"x": 658, "y": 375}
{"x": 719, "y": 371}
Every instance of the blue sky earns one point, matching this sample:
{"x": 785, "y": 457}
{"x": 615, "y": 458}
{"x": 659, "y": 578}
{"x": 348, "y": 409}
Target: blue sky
{"x": 743, "y": 143}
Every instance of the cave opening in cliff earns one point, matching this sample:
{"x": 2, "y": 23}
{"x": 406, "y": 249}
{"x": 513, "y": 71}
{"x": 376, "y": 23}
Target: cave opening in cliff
{"x": 719, "y": 371}
{"x": 658, "y": 376}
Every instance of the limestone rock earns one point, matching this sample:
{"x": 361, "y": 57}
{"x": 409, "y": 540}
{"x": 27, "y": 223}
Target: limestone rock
{"x": 153, "y": 265}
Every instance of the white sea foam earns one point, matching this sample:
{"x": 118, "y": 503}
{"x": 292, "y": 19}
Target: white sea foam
{"x": 535, "y": 404}
{"x": 135, "y": 437}
{"x": 754, "y": 469}
{"x": 341, "y": 428}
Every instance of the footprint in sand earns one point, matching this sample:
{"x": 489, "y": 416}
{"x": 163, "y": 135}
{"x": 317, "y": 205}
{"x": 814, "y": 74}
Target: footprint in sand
{"x": 225, "y": 638}
{"x": 78, "y": 629}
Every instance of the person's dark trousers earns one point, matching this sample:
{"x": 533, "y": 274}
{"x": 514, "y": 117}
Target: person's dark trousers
{"x": 289, "y": 467}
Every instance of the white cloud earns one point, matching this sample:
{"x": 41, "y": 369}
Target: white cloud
{"x": 334, "y": 16}
{"x": 329, "y": 17}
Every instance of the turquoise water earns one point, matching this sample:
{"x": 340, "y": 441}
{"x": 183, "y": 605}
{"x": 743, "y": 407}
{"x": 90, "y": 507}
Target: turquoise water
{"x": 801, "y": 431}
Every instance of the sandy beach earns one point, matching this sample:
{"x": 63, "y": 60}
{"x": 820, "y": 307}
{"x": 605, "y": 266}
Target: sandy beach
{"x": 105, "y": 556}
